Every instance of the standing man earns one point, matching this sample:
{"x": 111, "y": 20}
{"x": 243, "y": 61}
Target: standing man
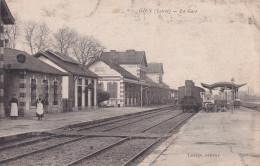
{"x": 13, "y": 103}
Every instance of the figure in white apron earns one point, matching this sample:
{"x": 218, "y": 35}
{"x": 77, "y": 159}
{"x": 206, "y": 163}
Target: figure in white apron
{"x": 39, "y": 105}
{"x": 13, "y": 103}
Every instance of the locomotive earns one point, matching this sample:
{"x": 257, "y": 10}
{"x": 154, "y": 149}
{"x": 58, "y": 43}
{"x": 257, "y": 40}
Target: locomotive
{"x": 189, "y": 96}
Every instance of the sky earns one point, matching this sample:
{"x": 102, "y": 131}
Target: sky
{"x": 199, "y": 40}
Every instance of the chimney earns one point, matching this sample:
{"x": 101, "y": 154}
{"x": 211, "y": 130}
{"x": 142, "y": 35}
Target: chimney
{"x": 112, "y": 52}
{"x": 130, "y": 52}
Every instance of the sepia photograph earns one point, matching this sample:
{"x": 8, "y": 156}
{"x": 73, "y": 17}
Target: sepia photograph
{"x": 129, "y": 83}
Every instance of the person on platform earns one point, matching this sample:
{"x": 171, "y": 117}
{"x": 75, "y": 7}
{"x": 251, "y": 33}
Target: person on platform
{"x": 13, "y": 103}
{"x": 39, "y": 105}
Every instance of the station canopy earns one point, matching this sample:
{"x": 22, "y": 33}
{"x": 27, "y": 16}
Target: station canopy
{"x": 228, "y": 85}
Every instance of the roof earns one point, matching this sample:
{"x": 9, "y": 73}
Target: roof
{"x": 64, "y": 57}
{"x": 116, "y": 67}
{"x": 6, "y": 14}
{"x": 31, "y": 63}
{"x": 229, "y": 85}
{"x": 71, "y": 67}
{"x": 165, "y": 85}
{"x": 127, "y": 57}
{"x": 154, "y": 68}
{"x": 151, "y": 82}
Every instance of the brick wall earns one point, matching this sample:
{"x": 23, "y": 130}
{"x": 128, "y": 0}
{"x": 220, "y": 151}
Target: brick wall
{"x": 19, "y": 82}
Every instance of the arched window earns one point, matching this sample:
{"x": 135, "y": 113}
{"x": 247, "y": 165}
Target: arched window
{"x": 55, "y": 93}
{"x": 33, "y": 92}
{"x": 46, "y": 91}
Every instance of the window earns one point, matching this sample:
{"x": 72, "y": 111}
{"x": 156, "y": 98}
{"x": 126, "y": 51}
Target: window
{"x": 33, "y": 92}
{"x": 112, "y": 89}
{"x": 55, "y": 93}
{"x": 46, "y": 91}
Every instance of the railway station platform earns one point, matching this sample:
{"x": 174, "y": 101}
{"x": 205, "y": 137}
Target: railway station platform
{"x": 9, "y": 129}
{"x": 212, "y": 139}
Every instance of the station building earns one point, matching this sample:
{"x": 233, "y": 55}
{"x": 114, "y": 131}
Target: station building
{"x": 79, "y": 87}
{"x": 27, "y": 78}
{"x": 5, "y": 19}
{"x": 123, "y": 75}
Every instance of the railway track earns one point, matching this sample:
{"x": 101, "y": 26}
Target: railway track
{"x": 85, "y": 149}
{"x": 153, "y": 142}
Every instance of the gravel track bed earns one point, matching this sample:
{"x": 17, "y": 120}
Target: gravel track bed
{"x": 162, "y": 128}
{"x": 17, "y": 151}
{"x": 135, "y": 127}
{"x": 120, "y": 123}
{"x": 118, "y": 155}
{"x": 113, "y": 120}
{"x": 64, "y": 154}
{"x": 21, "y": 141}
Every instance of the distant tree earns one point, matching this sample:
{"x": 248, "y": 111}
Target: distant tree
{"x": 36, "y": 36}
{"x": 42, "y": 37}
{"x": 64, "y": 39}
{"x": 13, "y": 32}
{"x": 87, "y": 48}
{"x": 29, "y": 35}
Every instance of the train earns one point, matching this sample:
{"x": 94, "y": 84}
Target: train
{"x": 189, "y": 96}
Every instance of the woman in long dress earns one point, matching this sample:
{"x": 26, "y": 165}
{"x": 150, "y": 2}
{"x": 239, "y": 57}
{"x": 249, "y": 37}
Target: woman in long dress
{"x": 39, "y": 105}
{"x": 13, "y": 103}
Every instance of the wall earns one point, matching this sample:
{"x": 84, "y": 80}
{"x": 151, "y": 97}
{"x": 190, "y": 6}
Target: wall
{"x": 133, "y": 69}
{"x": 22, "y": 90}
{"x": 154, "y": 77}
{"x": 30, "y": 110}
{"x": 102, "y": 69}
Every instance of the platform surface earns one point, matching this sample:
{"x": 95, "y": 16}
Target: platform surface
{"x": 53, "y": 121}
{"x": 212, "y": 139}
